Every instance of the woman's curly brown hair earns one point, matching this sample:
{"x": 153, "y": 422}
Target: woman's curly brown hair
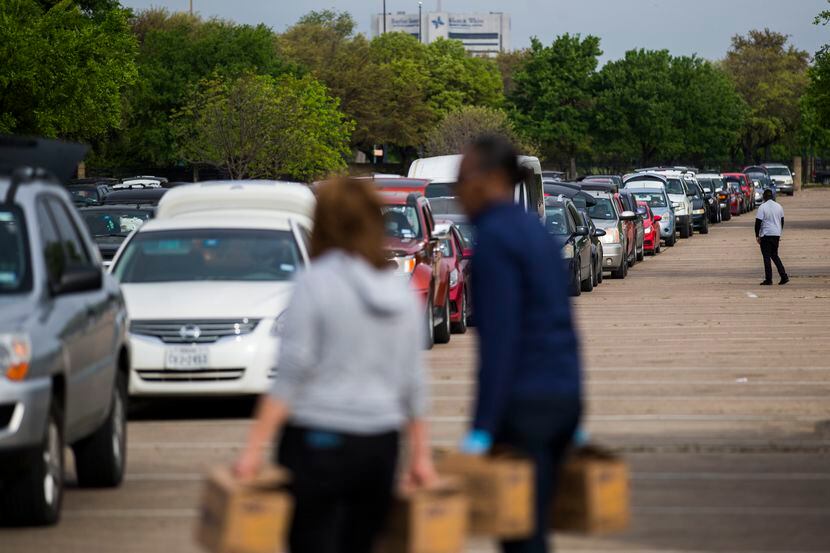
{"x": 348, "y": 217}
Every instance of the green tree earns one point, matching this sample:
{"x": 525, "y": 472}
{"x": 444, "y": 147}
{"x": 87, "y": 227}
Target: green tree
{"x": 508, "y": 63}
{"x": 456, "y": 79}
{"x": 176, "y": 51}
{"x": 459, "y": 128}
{"x": 819, "y": 75}
{"x": 771, "y": 76}
{"x": 707, "y": 110}
{"x": 256, "y": 126}
{"x": 634, "y": 117}
{"x": 553, "y": 97}
{"x": 64, "y": 67}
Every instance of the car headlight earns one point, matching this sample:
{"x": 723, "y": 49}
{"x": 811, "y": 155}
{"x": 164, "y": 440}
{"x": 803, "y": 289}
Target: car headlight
{"x": 612, "y": 236}
{"x": 648, "y": 230}
{"x": 698, "y": 211}
{"x": 15, "y": 356}
{"x": 406, "y": 264}
{"x": 279, "y": 324}
{"x": 568, "y": 251}
{"x": 454, "y": 278}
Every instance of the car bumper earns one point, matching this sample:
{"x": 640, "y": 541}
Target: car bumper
{"x": 785, "y": 188}
{"x": 24, "y": 409}
{"x": 612, "y": 255}
{"x": 237, "y": 365}
{"x": 650, "y": 241}
{"x": 455, "y": 304}
{"x": 699, "y": 219}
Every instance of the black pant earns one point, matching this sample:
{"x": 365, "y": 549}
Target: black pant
{"x": 541, "y": 429}
{"x": 769, "y": 249}
{"x": 342, "y": 486}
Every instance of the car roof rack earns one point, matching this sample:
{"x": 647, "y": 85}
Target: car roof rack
{"x": 26, "y": 159}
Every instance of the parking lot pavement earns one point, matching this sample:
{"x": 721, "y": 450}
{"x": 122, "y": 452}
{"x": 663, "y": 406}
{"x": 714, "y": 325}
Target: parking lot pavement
{"x": 710, "y": 385}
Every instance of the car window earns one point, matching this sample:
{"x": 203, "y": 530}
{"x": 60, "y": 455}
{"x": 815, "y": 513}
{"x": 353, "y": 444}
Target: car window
{"x": 602, "y": 210}
{"x": 305, "y": 236}
{"x": 675, "y": 186}
{"x": 248, "y": 255}
{"x": 653, "y": 199}
{"x": 576, "y": 218}
{"x": 402, "y": 221}
{"x": 15, "y": 274}
{"x": 52, "y": 250}
{"x": 467, "y": 231}
{"x": 556, "y": 221}
{"x": 779, "y": 171}
{"x": 440, "y": 190}
{"x": 119, "y": 222}
{"x": 446, "y": 248}
{"x": 73, "y": 245}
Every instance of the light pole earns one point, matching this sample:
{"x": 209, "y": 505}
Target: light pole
{"x": 191, "y": 7}
{"x": 420, "y": 20}
{"x": 384, "y": 16}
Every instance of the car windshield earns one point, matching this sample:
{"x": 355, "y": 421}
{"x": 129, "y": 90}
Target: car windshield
{"x": 779, "y": 171}
{"x": 401, "y": 221}
{"x": 248, "y": 255}
{"x": 693, "y": 189}
{"x": 440, "y": 190}
{"x": 710, "y": 185}
{"x": 653, "y": 199}
{"x": 117, "y": 222}
{"x": 446, "y": 248}
{"x": 602, "y": 210}
{"x": 14, "y": 255}
{"x": 674, "y": 186}
{"x": 556, "y": 221}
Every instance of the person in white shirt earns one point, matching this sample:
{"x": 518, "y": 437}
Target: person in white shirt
{"x": 769, "y": 223}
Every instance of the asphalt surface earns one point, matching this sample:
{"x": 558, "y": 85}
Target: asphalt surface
{"x": 716, "y": 390}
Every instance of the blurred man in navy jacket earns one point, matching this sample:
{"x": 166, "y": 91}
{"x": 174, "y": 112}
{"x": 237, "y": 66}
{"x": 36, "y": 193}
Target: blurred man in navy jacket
{"x": 529, "y": 381}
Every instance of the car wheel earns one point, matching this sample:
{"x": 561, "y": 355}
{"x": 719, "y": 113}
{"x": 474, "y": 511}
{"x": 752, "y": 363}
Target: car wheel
{"x": 576, "y": 279}
{"x": 34, "y": 496}
{"x": 684, "y": 231}
{"x": 100, "y": 458}
{"x": 641, "y": 255}
{"x": 442, "y": 331}
{"x": 727, "y": 216}
{"x": 704, "y": 229}
{"x": 588, "y": 284}
{"x": 599, "y": 271}
{"x": 429, "y": 320}
{"x": 461, "y": 326}
{"x": 620, "y": 271}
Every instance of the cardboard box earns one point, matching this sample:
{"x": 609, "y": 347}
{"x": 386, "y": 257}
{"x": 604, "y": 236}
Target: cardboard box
{"x": 593, "y": 494}
{"x": 251, "y": 517}
{"x": 500, "y": 490}
{"x": 427, "y": 521}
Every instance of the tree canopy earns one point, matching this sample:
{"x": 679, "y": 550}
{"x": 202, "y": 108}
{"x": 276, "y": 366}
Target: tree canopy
{"x": 258, "y": 126}
{"x": 65, "y": 67}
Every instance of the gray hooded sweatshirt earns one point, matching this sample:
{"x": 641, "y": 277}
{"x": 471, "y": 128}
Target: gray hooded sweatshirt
{"x": 350, "y": 356}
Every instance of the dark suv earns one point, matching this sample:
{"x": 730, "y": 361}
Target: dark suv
{"x": 64, "y": 355}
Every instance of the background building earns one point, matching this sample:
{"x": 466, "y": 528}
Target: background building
{"x": 483, "y": 34}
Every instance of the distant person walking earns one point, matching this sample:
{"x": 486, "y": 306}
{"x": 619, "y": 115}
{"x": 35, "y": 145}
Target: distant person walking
{"x": 529, "y": 382}
{"x": 349, "y": 378}
{"x": 769, "y": 224}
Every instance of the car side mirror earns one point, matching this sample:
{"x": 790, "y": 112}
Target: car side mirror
{"x": 642, "y": 212}
{"x": 628, "y": 216}
{"x": 657, "y": 219}
{"x": 79, "y": 279}
{"x": 581, "y": 231}
{"x": 466, "y": 253}
{"x": 599, "y": 232}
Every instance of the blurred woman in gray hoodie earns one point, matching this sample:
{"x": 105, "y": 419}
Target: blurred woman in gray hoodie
{"x": 350, "y": 378}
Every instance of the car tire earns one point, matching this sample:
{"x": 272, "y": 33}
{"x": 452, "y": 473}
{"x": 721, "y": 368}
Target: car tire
{"x": 576, "y": 279}
{"x": 34, "y": 496}
{"x": 620, "y": 271}
{"x": 728, "y": 215}
{"x": 641, "y": 255}
{"x": 599, "y": 271}
{"x": 461, "y": 326}
{"x": 101, "y": 458}
{"x": 588, "y": 284}
{"x": 704, "y": 229}
{"x": 442, "y": 331}
{"x": 684, "y": 231}
{"x": 429, "y": 321}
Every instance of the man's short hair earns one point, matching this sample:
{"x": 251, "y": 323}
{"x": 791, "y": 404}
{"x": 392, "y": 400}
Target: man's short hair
{"x": 767, "y": 194}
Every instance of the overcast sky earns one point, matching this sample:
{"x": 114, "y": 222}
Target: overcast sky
{"x": 682, "y": 26}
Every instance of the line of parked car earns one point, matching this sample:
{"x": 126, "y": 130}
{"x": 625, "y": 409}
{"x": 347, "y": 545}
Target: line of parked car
{"x": 148, "y": 289}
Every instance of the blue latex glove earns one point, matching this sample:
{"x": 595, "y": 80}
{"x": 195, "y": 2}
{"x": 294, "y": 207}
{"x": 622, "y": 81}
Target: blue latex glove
{"x": 476, "y": 442}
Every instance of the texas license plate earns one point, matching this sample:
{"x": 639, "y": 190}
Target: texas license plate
{"x": 186, "y": 357}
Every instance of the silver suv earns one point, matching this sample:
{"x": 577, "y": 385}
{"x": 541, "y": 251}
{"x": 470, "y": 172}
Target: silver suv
{"x": 64, "y": 357}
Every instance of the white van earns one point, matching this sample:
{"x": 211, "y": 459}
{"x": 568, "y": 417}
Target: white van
{"x": 442, "y": 172}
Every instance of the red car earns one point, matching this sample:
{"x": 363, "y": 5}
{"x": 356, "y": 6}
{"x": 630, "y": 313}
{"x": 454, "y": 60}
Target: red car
{"x": 746, "y": 188}
{"x": 456, "y": 257}
{"x": 651, "y": 229}
{"x": 415, "y": 249}
{"x": 737, "y": 199}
